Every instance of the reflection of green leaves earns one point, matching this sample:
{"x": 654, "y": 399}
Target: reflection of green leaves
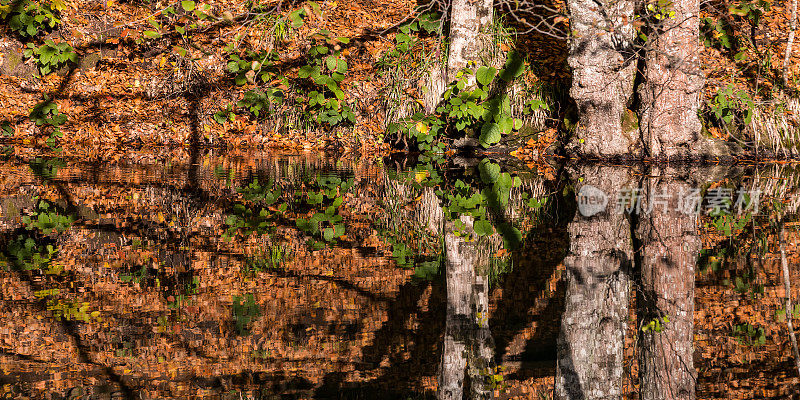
{"x": 749, "y": 335}
{"x": 47, "y": 219}
{"x": 656, "y": 325}
{"x": 490, "y": 172}
{"x": 512, "y": 237}
{"x": 710, "y": 260}
{"x": 245, "y": 311}
{"x": 427, "y": 270}
{"x": 260, "y": 193}
{"x": 71, "y": 310}
{"x": 46, "y": 168}
{"x": 28, "y": 254}
{"x": 780, "y": 315}
{"x": 271, "y": 260}
{"x": 323, "y": 195}
{"x": 483, "y": 227}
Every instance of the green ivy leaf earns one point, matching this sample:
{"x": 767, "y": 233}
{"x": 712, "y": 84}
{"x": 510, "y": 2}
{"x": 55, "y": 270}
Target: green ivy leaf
{"x": 188, "y": 5}
{"x": 328, "y": 234}
{"x": 296, "y": 19}
{"x": 490, "y": 172}
{"x": 506, "y": 123}
{"x": 514, "y": 67}
{"x": 485, "y": 75}
{"x": 330, "y": 62}
{"x": 305, "y": 71}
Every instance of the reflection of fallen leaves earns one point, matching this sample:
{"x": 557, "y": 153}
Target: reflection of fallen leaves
{"x": 536, "y": 147}
{"x": 717, "y": 133}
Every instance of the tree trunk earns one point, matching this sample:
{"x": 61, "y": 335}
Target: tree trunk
{"x": 670, "y": 93}
{"x": 592, "y": 337}
{"x": 468, "y": 42}
{"x": 669, "y": 248}
{"x": 468, "y": 39}
{"x": 603, "y": 67}
{"x": 468, "y": 346}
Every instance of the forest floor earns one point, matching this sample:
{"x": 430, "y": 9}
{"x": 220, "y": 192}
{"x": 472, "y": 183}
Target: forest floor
{"x": 148, "y": 75}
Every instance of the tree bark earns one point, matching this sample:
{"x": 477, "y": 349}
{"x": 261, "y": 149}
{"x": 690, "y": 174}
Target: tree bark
{"x": 603, "y": 67}
{"x": 468, "y": 42}
{"x": 468, "y": 347}
{"x": 668, "y": 249}
{"x": 468, "y": 39}
{"x": 670, "y": 93}
{"x": 592, "y": 337}
{"x": 787, "y": 286}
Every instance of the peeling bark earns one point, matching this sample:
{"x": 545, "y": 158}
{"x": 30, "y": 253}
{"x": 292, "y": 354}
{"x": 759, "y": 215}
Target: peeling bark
{"x": 603, "y": 67}
{"x": 592, "y": 337}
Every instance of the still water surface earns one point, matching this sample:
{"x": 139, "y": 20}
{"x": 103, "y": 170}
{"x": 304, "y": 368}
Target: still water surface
{"x": 249, "y": 276}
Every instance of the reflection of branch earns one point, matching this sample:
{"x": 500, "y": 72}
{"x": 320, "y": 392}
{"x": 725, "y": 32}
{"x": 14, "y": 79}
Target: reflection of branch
{"x": 67, "y": 328}
{"x": 787, "y": 286}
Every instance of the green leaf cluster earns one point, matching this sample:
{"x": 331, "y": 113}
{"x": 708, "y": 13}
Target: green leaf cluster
{"x": 29, "y": 18}
{"x": 27, "y": 254}
{"x": 466, "y": 107}
{"x": 656, "y": 325}
{"x": 732, "y": 106}
{"x": 51, "y": 55}
{"x": 749, "y": 335}
{"x": 258, "y": 102}
{"x": 47, "y": 219}
{"x": 261, "y": 63}
{"x": 71, "y": 310}
{"x": 326, "y": 69}
{"x": 297, "y": 17}
{"x": 427, "y": 22}
{"x": 253, "y": 217}
{"x": 731, "y": 33}
{"x": 323, "y": 196}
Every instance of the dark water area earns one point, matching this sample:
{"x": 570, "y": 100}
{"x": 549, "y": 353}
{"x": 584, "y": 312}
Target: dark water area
{"x": 266, "y": 276}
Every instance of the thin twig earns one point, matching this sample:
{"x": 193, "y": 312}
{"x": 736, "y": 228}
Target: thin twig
{"x": 787, "y": 286}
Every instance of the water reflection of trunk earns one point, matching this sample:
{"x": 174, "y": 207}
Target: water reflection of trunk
{"x": 669, "y": 245}
{"x": 468, "y": 344}
{"x": 592, "y": 337}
